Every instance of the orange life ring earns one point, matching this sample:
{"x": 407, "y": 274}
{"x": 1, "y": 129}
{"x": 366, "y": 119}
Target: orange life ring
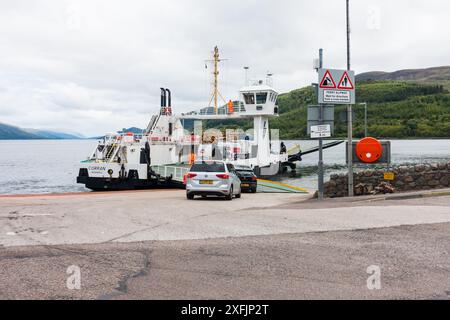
{"x": 369, "y": 150}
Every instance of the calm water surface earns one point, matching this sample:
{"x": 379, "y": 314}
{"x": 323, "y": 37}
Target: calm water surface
{"x": 47, "y": 166}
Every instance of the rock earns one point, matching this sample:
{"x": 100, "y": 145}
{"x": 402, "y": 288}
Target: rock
{"x": 399, "y": 183}
{"x": 414, "y": 177}
{"x": 403, "y": 169}
{"x": 419, "y": 168}
{"x": 368, "y": 173}
{"x": 433, "y": 183}
{"x": 359, "y": 190}
{"x": 384, "y": 187}
{"x": 332, "y": 183}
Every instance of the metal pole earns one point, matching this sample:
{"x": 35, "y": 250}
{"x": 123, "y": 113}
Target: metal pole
{"x": 246, "y": 75}
{"x": 320, "y": 165}
{"x": 349, "y": 114}
{"x": 321, "y": 173}
{"x": 365, "y": 119}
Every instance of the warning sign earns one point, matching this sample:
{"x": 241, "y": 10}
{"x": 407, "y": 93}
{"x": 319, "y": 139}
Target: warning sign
{"x": 327, "y": 81}
{"x": 332, "y": 91}
{"x": 345, "y": 83}
{"x": 390, "y": 176}
{"x": 336, "y": 96}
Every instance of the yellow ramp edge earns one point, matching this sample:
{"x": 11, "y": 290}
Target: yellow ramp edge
{"x": 274, "y": 184}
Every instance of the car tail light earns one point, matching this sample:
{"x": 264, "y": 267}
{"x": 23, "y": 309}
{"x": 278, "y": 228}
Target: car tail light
{"x": 191, "y": 175}
{"x": 254, "y": 178}
{"x": 223, "y": 176}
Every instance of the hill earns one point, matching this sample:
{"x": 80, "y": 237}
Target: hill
{"x": 424, "y": 75}
{"x": 9, "y": 132}
{"x": 133, "y": 130}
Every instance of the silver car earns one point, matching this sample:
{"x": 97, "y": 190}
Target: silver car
{"x": 213, "y": 178}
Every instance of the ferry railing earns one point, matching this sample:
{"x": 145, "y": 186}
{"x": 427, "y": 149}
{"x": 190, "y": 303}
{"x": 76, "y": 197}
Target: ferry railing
{"x": 176, "y": 172}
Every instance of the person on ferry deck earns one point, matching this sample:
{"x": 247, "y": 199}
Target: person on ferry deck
{"x": 283, "y": 148}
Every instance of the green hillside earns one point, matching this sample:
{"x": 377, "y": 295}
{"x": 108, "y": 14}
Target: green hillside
{"x": 396, "y": 109}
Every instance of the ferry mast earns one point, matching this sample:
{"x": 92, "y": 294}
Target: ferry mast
{"x": 215, "y": 83}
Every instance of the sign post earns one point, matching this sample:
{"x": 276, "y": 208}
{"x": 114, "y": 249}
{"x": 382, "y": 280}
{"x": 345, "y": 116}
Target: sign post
{"x": 321, "y": 173}
{"x": 337, "y": 87}
{"x": 349, "y": 109}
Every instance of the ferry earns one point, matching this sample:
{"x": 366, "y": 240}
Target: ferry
{"x": 161, "y": 155}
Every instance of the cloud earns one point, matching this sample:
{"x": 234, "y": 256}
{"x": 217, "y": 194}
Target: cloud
{"x": 96, "y": 66}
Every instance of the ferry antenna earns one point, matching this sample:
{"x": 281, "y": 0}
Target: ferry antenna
{"x": 215, "y": 95}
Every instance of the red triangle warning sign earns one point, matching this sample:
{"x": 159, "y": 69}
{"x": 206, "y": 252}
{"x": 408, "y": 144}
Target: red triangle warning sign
{"x": 345, "y": 83}
{"x": 327, "y": 81}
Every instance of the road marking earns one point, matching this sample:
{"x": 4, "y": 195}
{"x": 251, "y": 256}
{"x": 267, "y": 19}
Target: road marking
{"x": 37, "y": 215}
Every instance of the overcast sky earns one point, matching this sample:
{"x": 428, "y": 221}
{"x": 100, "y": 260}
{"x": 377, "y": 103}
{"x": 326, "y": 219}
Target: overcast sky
{"x": 97, "y": 65}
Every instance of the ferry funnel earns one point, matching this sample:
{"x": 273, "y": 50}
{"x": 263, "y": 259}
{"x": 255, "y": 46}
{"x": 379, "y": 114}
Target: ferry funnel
{"x": 163, "y": 100}
{"x": 163, "y": 97}
{"x": 169, "y": 101}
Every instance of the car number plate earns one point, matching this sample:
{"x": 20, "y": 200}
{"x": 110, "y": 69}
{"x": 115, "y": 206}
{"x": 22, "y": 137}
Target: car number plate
{"x": 206, "y": 182}
{"x": 245, "y": 185}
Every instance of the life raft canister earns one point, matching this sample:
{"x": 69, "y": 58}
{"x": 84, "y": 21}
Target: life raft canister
{"x": 369, "y": 150}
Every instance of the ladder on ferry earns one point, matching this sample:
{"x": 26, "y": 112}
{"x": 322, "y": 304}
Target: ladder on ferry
{"x": 111, "y": 151}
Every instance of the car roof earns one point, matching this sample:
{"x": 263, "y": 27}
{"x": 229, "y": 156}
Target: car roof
{"x": 243, "y": 168}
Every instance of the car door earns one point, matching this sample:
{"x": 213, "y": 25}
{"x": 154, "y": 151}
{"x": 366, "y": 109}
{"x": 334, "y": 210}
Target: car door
{"x": 235, "y": 178}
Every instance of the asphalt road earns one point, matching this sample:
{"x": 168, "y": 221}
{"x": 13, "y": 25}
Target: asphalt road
{"x": 276, "y": 247}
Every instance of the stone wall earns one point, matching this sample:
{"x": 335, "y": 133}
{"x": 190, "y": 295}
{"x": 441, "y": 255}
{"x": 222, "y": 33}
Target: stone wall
{"x": 407, "y": 178}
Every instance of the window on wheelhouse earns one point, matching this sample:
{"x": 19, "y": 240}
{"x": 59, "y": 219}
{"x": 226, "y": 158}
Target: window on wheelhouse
{"x": 249, "y": 98}
{"x": 261, "y": 98}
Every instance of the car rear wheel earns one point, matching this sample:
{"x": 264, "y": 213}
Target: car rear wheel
{"x": 189, "y": 196}
{"x": 230, "y": 195}
{"x": 238, "y": 196}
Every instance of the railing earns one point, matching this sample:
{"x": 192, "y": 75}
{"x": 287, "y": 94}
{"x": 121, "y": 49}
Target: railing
{"x": 177, "y": 172}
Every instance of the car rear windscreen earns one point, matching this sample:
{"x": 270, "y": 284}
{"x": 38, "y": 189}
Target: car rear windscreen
{"x": 245, "y": 173}
{"x": 208, "y": 167}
